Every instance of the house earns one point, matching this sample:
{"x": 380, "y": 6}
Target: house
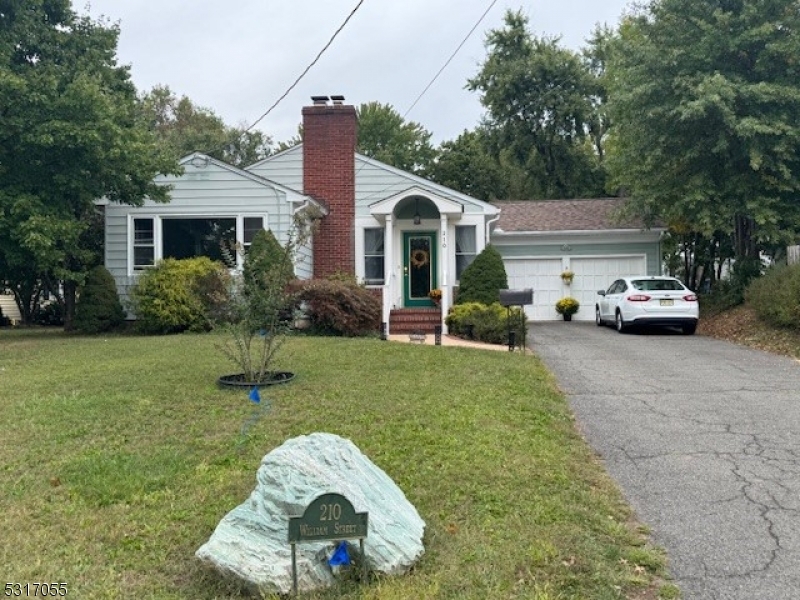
{"x": 400, "y": 234}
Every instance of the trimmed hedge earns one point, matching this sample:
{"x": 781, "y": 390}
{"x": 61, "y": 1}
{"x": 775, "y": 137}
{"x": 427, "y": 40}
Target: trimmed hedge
{"x": 485, "y": 322}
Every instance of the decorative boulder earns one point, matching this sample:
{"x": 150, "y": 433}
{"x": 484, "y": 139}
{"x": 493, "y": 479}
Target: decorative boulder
{"x": 251, "y": 542}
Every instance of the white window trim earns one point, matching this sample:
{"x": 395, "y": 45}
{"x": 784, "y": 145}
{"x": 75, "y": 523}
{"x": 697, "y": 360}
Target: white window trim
{"x": 158, "y": 231}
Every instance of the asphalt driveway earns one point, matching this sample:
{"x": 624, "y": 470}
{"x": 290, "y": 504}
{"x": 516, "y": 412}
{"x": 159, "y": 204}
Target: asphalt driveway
{"x": 703, "y": 437}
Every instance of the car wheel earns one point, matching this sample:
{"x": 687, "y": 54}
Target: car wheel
{"x": 598, "y": 320}
{"x": 621, "y": 327}
{"x": 689, "y": 329}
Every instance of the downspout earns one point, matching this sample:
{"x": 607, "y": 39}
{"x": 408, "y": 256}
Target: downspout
{"x": 489, "y": 225}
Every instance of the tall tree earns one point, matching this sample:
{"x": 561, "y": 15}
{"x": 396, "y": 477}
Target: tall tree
{"x": 69, "y": 135}
{"x": 183, "y": 128}
{"x": 383, "y": 134}
{"x": 705, "y": 97}
{"x": 540, "y": 103}
{"x": 466, "y": 164}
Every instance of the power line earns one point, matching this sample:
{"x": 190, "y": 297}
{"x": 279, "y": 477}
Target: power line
{"x": 308, "y": 68}
{"x": 452, "y": 56}
{"x": 435, "y": 77}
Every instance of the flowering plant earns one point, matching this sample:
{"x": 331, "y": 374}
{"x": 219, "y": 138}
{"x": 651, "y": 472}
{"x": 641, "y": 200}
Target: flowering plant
{"x": 567, "y": 276}
{"x": 567, "y": 306}
{"x": 435, "y": 295}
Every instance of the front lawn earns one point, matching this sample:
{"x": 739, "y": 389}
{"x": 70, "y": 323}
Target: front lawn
{"x": 120, "y": 455}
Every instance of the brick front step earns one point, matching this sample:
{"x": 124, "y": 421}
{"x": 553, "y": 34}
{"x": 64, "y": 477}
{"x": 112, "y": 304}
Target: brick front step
{"x": 409, "y": 320}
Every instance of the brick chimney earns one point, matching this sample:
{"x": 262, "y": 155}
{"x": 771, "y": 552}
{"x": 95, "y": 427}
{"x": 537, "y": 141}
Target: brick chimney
{"x": 329, "y": 144}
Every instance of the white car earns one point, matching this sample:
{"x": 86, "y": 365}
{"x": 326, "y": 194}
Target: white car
{"x": 662, "y": 301}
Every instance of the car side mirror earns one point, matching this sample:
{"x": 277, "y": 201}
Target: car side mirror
{"x": 601, "y": 292}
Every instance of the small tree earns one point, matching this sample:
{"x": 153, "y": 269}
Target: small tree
{"x": 483, "y": 279}
{"x": 98, "y": 308}
{"x": 262, "y": 303}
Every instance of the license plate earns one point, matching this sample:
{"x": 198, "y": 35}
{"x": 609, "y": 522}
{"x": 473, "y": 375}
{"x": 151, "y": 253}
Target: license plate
{"x": 667, "y": 302}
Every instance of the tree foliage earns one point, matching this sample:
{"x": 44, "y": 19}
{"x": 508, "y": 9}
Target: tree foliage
{"x": 384, "y": 135}
{"x": 69, "y": 135}
{"x": 542, "y": 102}
{"x": 183, "y": 128}
{"x": 705, "y": 98}
{"x": 467, "y": 165}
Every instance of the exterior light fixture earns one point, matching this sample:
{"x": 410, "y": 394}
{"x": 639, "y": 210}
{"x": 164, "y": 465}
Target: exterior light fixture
{"x": 417, "y": 217}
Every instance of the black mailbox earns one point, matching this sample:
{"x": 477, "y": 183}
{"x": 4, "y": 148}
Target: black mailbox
{"x": 516, "y": 297}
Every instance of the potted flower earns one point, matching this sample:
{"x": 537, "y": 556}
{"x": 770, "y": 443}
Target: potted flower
{"x": 567, "y": 276}
{"x": 436, "y": 296}
{"x": 567, "y": 307}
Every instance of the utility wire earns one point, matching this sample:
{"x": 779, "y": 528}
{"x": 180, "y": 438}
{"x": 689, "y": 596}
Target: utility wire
{"x": 449, "y": 60}
{"x": 308, "y": 68}
{"x": 435, "y": 77}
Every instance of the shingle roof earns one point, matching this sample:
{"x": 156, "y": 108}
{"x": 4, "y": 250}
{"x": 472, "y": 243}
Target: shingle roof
{"x": 564, "y": 215}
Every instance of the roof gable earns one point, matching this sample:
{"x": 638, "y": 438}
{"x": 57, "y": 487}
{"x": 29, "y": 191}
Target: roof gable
{"x": 197, "y": 161}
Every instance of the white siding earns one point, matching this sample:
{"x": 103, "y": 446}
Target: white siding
{"x": 285, "y": 168}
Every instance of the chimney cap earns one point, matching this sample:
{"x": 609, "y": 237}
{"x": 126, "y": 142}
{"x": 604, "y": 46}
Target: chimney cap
{"x": 319, "y": 100}
{"x": 338, "y": 99}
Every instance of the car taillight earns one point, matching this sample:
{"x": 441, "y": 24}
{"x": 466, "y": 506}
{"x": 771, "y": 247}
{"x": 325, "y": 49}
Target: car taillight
{"x": 638, "y": 298}
{"x": 690, "y": 298}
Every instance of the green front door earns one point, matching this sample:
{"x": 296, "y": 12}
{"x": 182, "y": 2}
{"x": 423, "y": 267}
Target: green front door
{"x": 419, "y": 267}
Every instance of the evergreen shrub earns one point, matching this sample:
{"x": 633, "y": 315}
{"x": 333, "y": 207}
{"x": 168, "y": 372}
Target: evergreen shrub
{"x": 98, "y": 308}
{"x": 483, "y": 279}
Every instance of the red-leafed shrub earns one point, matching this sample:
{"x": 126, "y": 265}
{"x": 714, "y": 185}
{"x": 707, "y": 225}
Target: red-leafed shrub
{"x": 339, "y": 307}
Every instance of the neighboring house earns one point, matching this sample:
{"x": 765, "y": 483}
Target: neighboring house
{"x": 400, "y": 234}
{"x": 9, "y": 308}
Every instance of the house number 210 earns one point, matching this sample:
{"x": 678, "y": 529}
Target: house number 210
{"x": 330, "y": 512}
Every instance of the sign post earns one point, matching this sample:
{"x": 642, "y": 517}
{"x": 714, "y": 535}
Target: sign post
{"x": 328, "y": 517}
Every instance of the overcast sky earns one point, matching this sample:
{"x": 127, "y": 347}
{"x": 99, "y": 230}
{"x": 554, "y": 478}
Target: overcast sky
{"x": 237, "y": 58}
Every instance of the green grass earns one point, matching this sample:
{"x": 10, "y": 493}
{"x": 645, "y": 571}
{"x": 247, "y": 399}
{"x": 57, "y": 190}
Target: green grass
{"x": 120, "y": 455}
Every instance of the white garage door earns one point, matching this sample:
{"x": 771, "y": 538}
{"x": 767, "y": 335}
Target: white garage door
{"x": 544, "y": 276}
{"x": 592, "y": 274}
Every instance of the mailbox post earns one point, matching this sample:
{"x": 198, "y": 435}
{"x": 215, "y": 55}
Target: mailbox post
{"x": 521, "y": 298}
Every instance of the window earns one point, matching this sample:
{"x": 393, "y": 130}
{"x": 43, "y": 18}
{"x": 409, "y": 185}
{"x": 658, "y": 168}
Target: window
{"x": 144, "y": 245}
{"x": 466, "y": 247}
{"x": 251, "y": 226}
{"x": 373, "y": 257}
{"x": 191, "y": 237}
{"x": 218, "y": 238}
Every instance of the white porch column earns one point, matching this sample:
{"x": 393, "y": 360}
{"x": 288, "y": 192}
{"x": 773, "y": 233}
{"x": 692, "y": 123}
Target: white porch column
{"x": 388, "y": 271}
{"x": 444, "y": 268}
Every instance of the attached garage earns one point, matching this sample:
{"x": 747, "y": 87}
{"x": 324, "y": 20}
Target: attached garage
{"x": 540, "y": 240}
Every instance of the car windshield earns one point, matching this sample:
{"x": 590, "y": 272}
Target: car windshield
{"x": 657, "y": 285}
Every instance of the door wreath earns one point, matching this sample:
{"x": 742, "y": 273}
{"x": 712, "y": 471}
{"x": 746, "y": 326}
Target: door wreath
{"x": 419, "y": 258}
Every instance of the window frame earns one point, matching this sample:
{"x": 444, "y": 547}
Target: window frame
{"x": 462, "y": 253}
{"x": 158, "y": 239}
{"x": 375, "y": 255}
